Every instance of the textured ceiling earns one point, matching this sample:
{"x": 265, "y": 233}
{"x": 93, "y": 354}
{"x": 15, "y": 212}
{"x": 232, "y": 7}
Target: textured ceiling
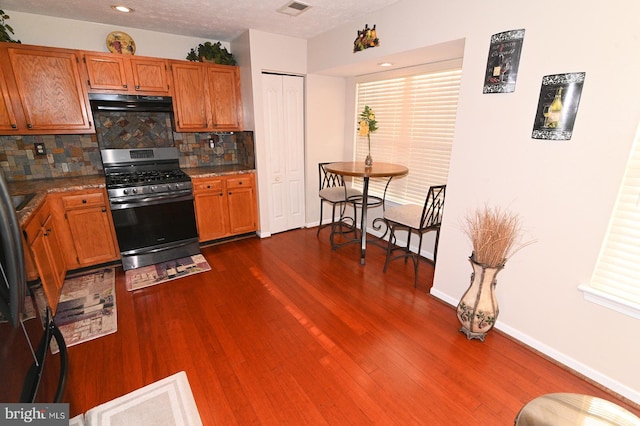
{"x": 209, "y": 19}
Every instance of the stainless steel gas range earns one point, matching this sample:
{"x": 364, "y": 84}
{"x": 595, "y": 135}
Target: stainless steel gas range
{"x": 151, "y": 201}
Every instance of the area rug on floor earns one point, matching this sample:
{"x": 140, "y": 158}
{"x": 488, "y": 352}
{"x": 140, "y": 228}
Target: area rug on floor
{"x": 167, "y": 402}
{"x": 87, "y": 307}
{"x": 165, "y": 271}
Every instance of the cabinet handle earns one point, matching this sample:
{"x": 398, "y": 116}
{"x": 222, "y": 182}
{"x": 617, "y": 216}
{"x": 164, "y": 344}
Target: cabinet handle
{"x": 84, "y": 201}
{"x": 124, "y": 86}
{"x": 208, "y": 186}
{"x": 221, "y": 194}
{"x": 29, "y": 126}
{"x": 104, "y": 210}
{"x": 137, "y": 87}
{"x": 240, "y": 183}
{"x": 13, "y": 126}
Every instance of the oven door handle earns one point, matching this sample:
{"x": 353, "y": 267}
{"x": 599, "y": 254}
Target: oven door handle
{"x": 125, "y": 203}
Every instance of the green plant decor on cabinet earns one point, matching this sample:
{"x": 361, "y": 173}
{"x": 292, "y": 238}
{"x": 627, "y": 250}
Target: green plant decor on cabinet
{"x": 211, "y": 52}
{"x": 5, "y": 29}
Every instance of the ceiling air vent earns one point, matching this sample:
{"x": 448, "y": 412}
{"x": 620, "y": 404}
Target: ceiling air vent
{"x": 294, "y": 8}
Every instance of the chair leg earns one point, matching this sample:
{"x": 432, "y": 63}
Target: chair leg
{"x": 435, "y": 247}
{"x": 417, "y": 261}
{"x": 320, "y": 225}
{"x": 408, "y": 247}
{"x": 392, "y": 237}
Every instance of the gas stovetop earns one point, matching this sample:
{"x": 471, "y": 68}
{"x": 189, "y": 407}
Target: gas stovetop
{"x": 145, "y": 177}
{"x": 148, "y": 171}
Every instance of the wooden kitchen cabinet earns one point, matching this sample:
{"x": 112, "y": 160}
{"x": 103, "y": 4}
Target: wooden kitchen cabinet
{"x": 109, "y": 73}
{"x": 223, "y": 94}
{"x": 87, "y": 233}
{"x": 242, "y": 204}
{"x": 45, "y": 90}
{"x": 211, "y": 208}
{"x": 225, "y": 206}
{"x": 8, "y": 122}
{"x": 41, "y": 236}
{"x": 206, "y": 97}
{"x": 189, "y": 99}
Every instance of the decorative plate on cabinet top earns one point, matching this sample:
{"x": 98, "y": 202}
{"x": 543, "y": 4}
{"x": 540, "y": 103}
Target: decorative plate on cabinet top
{"x": 119, "y": 42}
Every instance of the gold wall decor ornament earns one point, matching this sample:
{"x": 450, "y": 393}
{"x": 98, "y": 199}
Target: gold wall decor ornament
{"x": 367, "y": 37}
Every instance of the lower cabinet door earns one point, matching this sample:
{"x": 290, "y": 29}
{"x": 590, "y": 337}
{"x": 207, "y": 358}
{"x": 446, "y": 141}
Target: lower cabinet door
{"x": 242, "y": 216}
{"x": 92, "y": 235}
{"x": 211, "y": 215}
{"x": 49, "y": 262}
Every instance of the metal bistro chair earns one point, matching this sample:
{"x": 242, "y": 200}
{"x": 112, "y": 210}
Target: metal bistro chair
{"x": 334, "y": 192}
{"x": 415, "y": 219}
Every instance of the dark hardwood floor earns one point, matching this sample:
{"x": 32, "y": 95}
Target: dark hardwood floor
{"x": 286, "y": 331}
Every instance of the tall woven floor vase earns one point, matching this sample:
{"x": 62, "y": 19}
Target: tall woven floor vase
{"x": 478, "y": 308}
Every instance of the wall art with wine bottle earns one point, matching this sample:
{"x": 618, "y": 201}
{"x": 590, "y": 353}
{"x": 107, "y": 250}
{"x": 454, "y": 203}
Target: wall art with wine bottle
{"x": 558, "y": 106}
{"x": 503, "y": 61}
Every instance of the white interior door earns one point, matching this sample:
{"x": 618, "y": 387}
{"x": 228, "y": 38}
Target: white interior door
{"x": 283, "y": 97}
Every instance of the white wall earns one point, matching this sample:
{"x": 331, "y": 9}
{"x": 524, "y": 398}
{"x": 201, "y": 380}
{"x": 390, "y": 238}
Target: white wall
{"x": 325, "y": 135}
{"x": 271, "y": 53}
{"x": 563, "y": 191}
{"x": 67, "y": 33}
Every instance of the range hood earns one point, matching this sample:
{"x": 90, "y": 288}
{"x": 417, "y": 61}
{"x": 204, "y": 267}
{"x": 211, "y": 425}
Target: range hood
{"x": 139, "y": 103}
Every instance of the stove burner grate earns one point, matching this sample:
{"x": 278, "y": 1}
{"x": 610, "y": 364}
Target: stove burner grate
{"x": 146, "y": 177}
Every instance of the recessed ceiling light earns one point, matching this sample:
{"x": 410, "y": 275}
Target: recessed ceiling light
{"x": 123, "y": 9}
{"x": 385, "y": 64}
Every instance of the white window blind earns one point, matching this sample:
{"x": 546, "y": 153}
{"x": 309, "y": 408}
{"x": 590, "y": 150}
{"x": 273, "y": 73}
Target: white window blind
{"x": 416, "y": 117}
{"x": 617, "y": 270}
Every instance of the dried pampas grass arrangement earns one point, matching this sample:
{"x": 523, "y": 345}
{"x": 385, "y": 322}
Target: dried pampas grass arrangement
{"x": 495, "y": 235}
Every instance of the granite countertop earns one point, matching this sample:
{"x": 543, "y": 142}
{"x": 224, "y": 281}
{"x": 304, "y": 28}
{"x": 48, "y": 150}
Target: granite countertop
{"x": 42, "y": 187}
{"x": 211, "y": 171}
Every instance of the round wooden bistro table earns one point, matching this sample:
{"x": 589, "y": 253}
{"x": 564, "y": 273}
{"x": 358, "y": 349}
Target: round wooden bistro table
{"x": 358, "y": 169}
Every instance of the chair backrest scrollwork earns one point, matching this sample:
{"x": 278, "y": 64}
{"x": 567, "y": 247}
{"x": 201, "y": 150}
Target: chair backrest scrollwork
{"x": 328, "y": 179}
{"x": 433, "y": 207}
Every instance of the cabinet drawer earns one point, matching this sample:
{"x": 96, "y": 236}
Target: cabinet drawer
{"x": 208, "y": 185}
{"x": 240, "y": 182}
{"x": 83, "y": 200}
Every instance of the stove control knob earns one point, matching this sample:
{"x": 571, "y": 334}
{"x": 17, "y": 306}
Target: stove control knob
{"x": 134, "y": 190}
{"x": 125, "y": 191}
{"x": 153, "y": 188}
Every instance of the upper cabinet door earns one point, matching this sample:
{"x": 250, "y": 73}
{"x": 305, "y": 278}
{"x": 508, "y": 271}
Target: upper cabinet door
{"x": 8, "y": 120}
{"x": 224, "y": 97}
{"x": 189, "y": 99}
{"x": 50, "y": 89}
{"x": 150, "y": 75}
{"x": 106, "y": 71}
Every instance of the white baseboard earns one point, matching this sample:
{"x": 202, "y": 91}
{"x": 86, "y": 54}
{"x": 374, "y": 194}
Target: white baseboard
{"x": 555, "y": 355}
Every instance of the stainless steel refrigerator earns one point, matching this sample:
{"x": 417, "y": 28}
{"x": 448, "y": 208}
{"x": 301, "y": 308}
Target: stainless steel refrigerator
{"x": 24, "y": 342}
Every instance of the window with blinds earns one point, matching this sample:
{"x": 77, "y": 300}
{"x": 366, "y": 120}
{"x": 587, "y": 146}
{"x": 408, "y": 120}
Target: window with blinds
{"x": 416, "y": 117}
{"x": 617, "y": 271}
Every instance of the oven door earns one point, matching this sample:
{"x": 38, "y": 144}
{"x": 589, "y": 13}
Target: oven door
{"x": 155, "y": 229}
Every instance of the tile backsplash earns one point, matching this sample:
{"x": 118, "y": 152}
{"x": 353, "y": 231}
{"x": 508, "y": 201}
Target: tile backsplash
{"x": 79, "y": 155}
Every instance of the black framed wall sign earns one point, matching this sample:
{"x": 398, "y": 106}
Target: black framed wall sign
{"x": 503, "y": 62}
{"x": 558, "y": 106}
